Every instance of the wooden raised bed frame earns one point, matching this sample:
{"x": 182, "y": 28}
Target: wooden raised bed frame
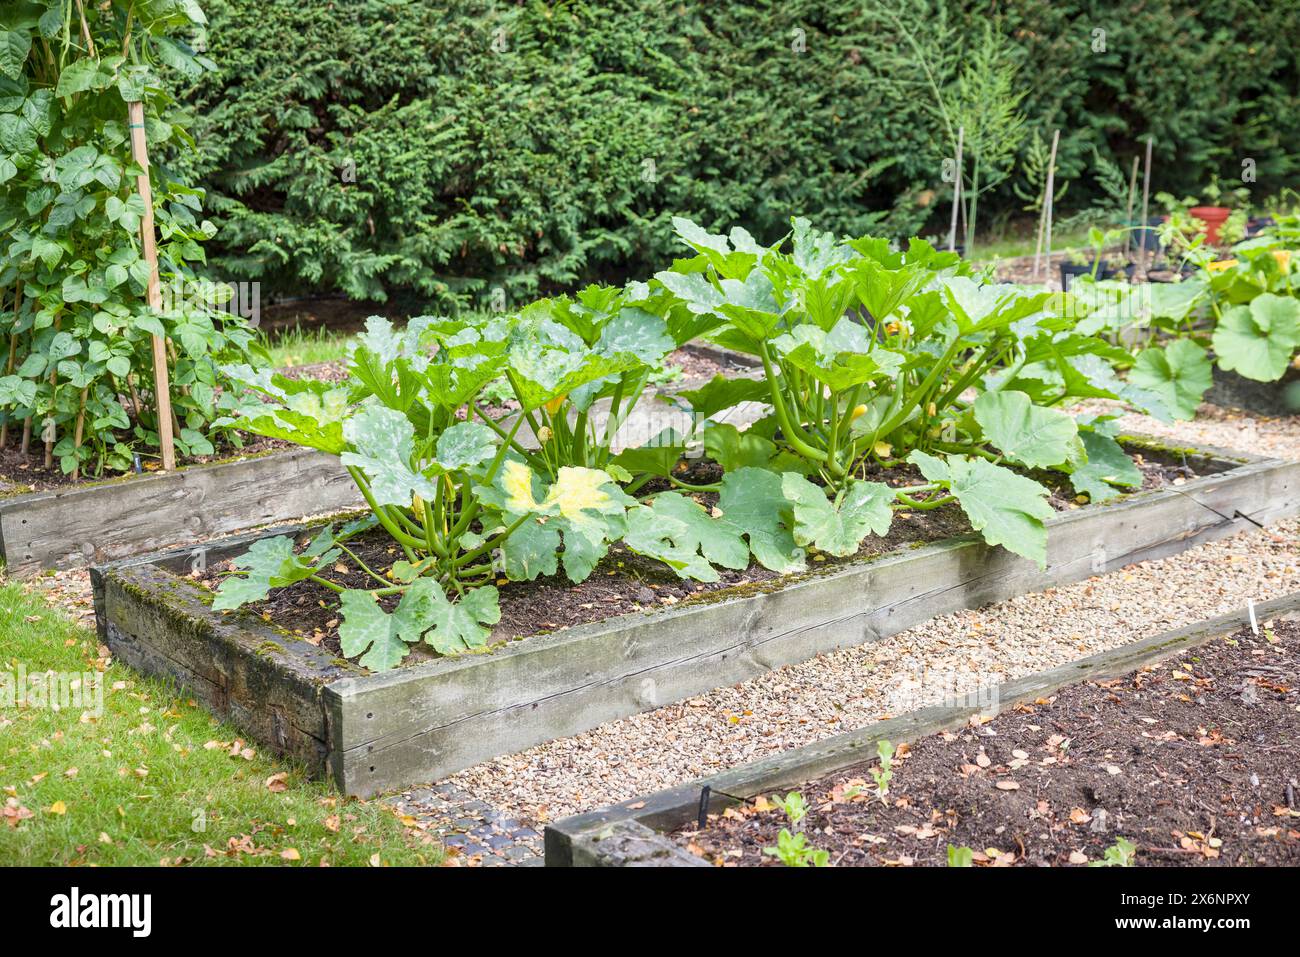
{"x": 376, "y": 732}
{"x": 100, "y": 522}
{"x": 631, "y": 833}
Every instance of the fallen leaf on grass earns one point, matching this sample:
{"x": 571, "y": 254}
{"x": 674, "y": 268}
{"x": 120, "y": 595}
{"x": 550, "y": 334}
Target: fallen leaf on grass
{"x": 58, "y": 807}
{"x": 277, "y": 782}
{"x": 291, "y": 854}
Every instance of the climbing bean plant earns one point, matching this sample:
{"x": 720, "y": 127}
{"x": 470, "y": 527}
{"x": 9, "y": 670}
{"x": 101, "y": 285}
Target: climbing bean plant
{"x": 75, "y": 331}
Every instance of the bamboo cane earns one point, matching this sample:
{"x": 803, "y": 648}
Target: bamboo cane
{"x": 956, "y": 191}
{"x": 162, "y": 387}
{"x": 1128, "y": 210}
{"x": 1048, "y": 197}
{"x": 1146, "y": 209}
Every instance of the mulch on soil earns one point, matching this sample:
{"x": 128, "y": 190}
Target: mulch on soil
{"x": 1194, "y": 760}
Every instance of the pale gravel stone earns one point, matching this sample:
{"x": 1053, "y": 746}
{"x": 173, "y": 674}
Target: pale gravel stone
{"x": 848, "y": 689}
{"x": 1215, "y": 426}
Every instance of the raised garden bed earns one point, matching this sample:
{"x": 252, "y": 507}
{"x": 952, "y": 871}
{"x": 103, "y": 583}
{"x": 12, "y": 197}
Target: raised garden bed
{"x": 434, "y": 717}
{"x": 1179, "y": 743}
{"x": 1231, "y": 390}
{"x": 96, "y": 522}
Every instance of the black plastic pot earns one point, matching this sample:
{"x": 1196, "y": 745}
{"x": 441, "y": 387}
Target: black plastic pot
{"x": 1257, "y": 224}
{"x": 1264, "y": 398}
{"x": 1071, "y": 271}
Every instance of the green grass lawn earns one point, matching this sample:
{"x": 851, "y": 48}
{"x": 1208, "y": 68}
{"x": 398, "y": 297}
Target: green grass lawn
{"x": 155, "y": 778}
{"x": 301, "y": 347}
{"x": 1007, "y": 246}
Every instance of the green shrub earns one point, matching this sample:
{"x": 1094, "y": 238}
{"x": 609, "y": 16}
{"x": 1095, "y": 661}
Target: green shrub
{"x": 444, "y": 150}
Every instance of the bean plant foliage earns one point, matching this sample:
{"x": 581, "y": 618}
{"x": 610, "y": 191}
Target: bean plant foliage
{"x": 873, "y": 359}
{"x": 77, "y": 366}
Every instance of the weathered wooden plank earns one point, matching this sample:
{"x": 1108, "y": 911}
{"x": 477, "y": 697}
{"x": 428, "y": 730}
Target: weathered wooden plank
{"x": 623, "y": 834}
{"x": 265, "y": 681}
{"x": 428, "y": 720}
{"x": 105, "y": 521}
{"x": 433, "y": 719}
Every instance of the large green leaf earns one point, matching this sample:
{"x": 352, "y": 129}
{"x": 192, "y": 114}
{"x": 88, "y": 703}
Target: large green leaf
{"x": 1025, "y": 433}
{"x": 840, "y": 358}
{"x": 585, "y": 505}
{"x": 659, "y": 456}
{"x": 1006, "y": 508}
{"x": 465, "y": 445}
{"x": 754, "y": 501}
{"x": 382, "y": 442}
{"x": 1108, "y": 466}
{"x": 838, "y": 527}
{"x": 272, "y": 563}
{"x": 423, "y": 614}
{"x": 14, "y": 47}
{"x": 1258, "y": 341}
{"x": 1177, "y": 374}
{"x": 308, "y": 412}
{"x": 721, "y": 393}
{"x": 733, "y": 449}
{"x": 679, "y": 532}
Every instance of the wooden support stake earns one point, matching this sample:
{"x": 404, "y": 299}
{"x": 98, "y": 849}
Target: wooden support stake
{"x": 1146, "y": 209}
{"x": 1047, "y": 199}
{"x": 956, "y": 191}
{"x": 1128, "y": 210}
{"x": 162, "y": 387}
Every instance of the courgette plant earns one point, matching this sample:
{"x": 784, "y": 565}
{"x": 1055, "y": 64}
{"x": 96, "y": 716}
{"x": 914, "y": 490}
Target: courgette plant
{"x": 873, "y": 357}
{"x": 578, "y": 367}
{"x": 1241, "y": 313}
{"x": 441, "y": 478}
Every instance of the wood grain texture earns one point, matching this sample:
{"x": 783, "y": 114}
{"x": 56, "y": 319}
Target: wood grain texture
{"x": 94, "y": 524}
{"x": 265, "y": 681}
{"x": 584, "y": 839}
{"x": 433, "y": 719}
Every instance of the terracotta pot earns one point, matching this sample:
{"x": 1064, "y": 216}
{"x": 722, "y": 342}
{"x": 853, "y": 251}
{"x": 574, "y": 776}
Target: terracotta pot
{"x": 1213, "y": 217}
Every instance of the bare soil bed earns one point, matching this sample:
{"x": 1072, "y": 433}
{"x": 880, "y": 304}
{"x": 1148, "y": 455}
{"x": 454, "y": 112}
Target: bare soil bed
{"x": 1193, "y": 760}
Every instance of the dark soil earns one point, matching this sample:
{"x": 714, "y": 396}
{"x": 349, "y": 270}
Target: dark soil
{"x": 19, "y": 475}
{"x": 1194, "y": 760}
{"x": 622, "y": 583}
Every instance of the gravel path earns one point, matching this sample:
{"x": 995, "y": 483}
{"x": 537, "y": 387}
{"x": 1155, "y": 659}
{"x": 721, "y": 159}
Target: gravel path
{"x": 848, "y": 689}
{"x": 1224, "y": 428}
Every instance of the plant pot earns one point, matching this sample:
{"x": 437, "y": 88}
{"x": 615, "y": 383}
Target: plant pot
{"x": 1257, "y": 224}
{"x": 1281, "y": 397}
{"x": 1071, "y": 271}
{"x": 1213, "y": 217}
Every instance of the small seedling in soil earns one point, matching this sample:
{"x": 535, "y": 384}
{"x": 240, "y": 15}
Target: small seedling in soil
{"x": 883, "y": 776}
{"x": 960, "y": 857}
{"x": 795, "y": 807}
{"x": 793, "y": 851}
{"x": 1119, "y": 854}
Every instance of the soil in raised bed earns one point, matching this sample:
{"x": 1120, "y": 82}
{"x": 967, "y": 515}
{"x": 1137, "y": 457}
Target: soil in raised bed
{"x": 623, "y": 582}
{"x": 1194, "y": 760}
{"x": 19, "y": 474}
